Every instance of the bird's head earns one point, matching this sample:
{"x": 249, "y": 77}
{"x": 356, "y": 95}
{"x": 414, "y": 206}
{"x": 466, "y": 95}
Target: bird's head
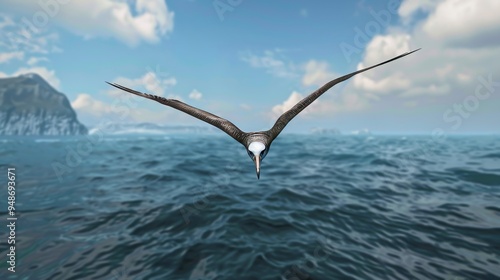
{"x": 257, "y": 151}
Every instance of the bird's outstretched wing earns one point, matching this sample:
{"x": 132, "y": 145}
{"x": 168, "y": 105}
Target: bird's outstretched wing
{"x": 221, "y": 123}
{"x": 301, "y": 105}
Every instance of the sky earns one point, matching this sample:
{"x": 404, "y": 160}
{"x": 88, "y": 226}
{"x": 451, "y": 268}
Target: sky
{"x": 249, "y": 61}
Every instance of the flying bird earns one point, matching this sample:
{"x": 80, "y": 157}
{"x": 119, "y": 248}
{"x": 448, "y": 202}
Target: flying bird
{"x": 258, "y": 143}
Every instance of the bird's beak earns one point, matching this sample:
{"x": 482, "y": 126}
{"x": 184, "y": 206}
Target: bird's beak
{"x": 257, "y": 166}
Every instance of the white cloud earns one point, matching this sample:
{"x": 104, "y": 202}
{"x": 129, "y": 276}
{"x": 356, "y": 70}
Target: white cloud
{"x": 287, "y": 104}
{"x": 382, "y": 47}
{"x": 123, "y": 109}
{"x": 46, "y": 74}
{"x": 411, "y": 104}
{"x": 272, "y": 62}
{"x": 154, "y": 83}
{"x": 447, "y": 67}
{"x": 317, "y": 73}
{"x": 245, "y": 107}
{"x": 322, "y": 106}
{"x": 471, "y": 22}
{"x": 409, "y": 8}
{"x": 379, "y": 49}
{"x": 195, "y": 95}
{"x": 413, "y": 75}
{"x": 5, "y": 57}
{"x": 385, "y": 85}
{"x": 16, "y": 38}
{"x": 454, "y": 52}
{"x": 432, "y": 89}
{"x": 127, "y": 21}
{"x": 84, "y": 103}
{"x": 35, "y": 60}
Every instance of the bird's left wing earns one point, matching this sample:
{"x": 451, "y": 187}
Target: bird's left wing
{"x": 301, "y": 105}
{"x": 221, "y": 123}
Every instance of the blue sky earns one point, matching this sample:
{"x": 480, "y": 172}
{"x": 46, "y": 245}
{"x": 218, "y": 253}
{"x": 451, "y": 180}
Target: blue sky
{"x": 248, "y": 61}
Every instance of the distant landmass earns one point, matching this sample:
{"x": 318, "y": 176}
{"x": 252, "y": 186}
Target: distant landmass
{"x": 361, "y": 132}
{"x": 329, "y": 131}
{"x": 147, "y": 128}
{"x": 30, "y": 106}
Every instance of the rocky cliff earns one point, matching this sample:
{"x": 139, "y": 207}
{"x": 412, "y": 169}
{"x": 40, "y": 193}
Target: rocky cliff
{"x": 30, "y": 106}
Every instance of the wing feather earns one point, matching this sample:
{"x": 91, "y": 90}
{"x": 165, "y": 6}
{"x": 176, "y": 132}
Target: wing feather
{"x": 221, "y": 123}
{"x": 286, "y": 117}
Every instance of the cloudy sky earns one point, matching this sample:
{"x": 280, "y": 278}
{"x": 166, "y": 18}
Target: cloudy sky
{"x": 248, "y": 61}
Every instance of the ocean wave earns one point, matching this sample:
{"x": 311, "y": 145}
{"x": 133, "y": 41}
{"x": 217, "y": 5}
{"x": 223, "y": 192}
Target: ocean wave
{"x": 44, "y": 140}
{"x": 338, "y": 208}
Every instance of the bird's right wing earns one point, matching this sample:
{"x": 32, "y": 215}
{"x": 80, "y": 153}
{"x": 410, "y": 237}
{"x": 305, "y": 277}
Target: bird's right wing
{"x": 302, "y": 104}
{"x": 221, "y": 123}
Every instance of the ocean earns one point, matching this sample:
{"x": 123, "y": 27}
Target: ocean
{"x": 191, "y": 207}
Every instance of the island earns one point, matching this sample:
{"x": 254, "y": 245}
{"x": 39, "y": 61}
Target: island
{"x": 31, "y": 106}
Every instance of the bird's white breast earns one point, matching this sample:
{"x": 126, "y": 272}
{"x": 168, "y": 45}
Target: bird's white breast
{"x": 256, "y": 147}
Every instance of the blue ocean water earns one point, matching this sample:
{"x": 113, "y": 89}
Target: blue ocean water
{"x": 191, "y": 207}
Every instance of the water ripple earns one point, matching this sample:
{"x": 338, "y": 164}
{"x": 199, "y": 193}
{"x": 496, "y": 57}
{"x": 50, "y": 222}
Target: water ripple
{"x": 337, "y": 207}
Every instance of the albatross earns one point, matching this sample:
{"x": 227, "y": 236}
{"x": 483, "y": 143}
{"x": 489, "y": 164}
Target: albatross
{"x": 257, "y": 143}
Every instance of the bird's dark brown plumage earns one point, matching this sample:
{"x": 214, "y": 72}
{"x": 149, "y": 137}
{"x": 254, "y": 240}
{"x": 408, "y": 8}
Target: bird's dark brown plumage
{"x": 301, "y": 105}
{"x": 221, "y": 123}
{"x": 232, "y": 130}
